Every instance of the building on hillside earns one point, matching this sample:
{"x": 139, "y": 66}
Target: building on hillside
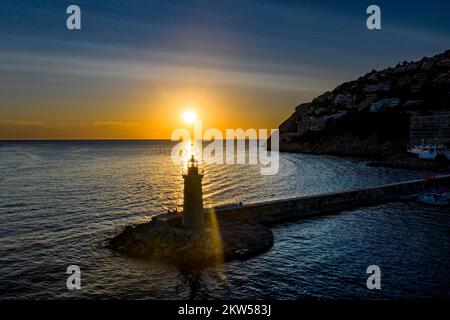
{"x": 310, "y": 123}
{"x": 382, "y": 104}
{"x": 431, "y": 129}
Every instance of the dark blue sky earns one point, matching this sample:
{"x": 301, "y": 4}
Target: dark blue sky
{"x": 264, "y": 56}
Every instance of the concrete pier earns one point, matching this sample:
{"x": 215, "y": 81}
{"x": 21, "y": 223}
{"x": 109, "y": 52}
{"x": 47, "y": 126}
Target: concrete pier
{"x": 278, "y": 211}
{"x": 240, "y": 232}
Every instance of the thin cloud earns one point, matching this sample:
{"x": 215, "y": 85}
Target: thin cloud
{"x": 21, "y": 123}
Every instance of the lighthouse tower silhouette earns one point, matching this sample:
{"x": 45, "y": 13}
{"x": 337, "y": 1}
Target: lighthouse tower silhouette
{"x": 193, "y": 217}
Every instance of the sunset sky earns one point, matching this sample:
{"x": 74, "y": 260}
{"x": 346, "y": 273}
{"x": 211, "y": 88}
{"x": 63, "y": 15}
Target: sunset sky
{"x": 136, "y": 66}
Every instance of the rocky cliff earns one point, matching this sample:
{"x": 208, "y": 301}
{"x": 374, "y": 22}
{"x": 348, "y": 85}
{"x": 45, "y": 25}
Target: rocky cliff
{"x": 369, "y": 117}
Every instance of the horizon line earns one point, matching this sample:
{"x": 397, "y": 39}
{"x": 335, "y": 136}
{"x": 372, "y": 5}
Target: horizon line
{"x": 107, "y": 140}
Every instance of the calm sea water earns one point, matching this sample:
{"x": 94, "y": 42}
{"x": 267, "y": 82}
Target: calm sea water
{"x": 59, "y": 202}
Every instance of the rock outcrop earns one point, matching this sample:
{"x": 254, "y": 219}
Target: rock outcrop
{"x": 163, "y": 240}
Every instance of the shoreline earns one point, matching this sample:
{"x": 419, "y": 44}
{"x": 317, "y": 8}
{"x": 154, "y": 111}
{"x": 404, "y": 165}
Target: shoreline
{"x": 399, "y": 161}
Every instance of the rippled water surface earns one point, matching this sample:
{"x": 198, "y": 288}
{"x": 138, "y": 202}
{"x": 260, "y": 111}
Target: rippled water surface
{"x": 61, "y": 200}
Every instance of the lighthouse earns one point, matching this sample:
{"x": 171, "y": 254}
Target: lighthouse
{"x": 193, "y": 217}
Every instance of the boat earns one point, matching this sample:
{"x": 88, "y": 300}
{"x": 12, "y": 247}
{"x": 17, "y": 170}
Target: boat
{"x": 437, "y": 199}
{"x": 430, "y": 151}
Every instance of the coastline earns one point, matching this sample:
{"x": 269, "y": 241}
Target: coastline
{"x": 401, "y": 160}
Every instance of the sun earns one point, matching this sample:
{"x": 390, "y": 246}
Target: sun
{"x": 189, "y": 117}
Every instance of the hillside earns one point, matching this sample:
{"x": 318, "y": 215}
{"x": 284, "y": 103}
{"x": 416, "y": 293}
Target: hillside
{"x": 369, "y": 117}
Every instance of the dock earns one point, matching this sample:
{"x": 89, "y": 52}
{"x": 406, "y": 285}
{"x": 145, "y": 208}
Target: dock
{"x": 279, "y": 211}
{"x": 202, "y": 236}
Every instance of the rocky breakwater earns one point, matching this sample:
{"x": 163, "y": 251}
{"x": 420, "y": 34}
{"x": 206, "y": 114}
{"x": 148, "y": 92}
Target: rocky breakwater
{"x": 164, "y": 239}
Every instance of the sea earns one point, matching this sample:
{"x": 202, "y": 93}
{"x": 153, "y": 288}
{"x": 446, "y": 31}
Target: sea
{"x": 60, "y": 201}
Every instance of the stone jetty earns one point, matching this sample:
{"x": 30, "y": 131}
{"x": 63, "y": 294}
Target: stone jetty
{"x": 201, "y": 236}
{"x": 189, "y": 238}
{"x": 158, "y": 239}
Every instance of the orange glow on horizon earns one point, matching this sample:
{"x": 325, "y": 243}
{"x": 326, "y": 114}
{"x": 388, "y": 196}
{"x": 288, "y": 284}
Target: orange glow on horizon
{"x": 141, "y": 115}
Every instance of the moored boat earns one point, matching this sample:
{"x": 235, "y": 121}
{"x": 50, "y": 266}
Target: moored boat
{"x": 431, "y": 151}
{"x": 437, "y": 199}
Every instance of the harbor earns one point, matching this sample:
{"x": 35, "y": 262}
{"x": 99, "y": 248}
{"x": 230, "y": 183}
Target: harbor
{"x": 311, "y": 249}
{"x": 228, "y": 153}
{"x": 200, "y": 236}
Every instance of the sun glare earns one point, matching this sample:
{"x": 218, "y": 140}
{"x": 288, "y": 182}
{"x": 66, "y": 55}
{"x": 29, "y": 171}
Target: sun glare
{"x": 189, "y": 117}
